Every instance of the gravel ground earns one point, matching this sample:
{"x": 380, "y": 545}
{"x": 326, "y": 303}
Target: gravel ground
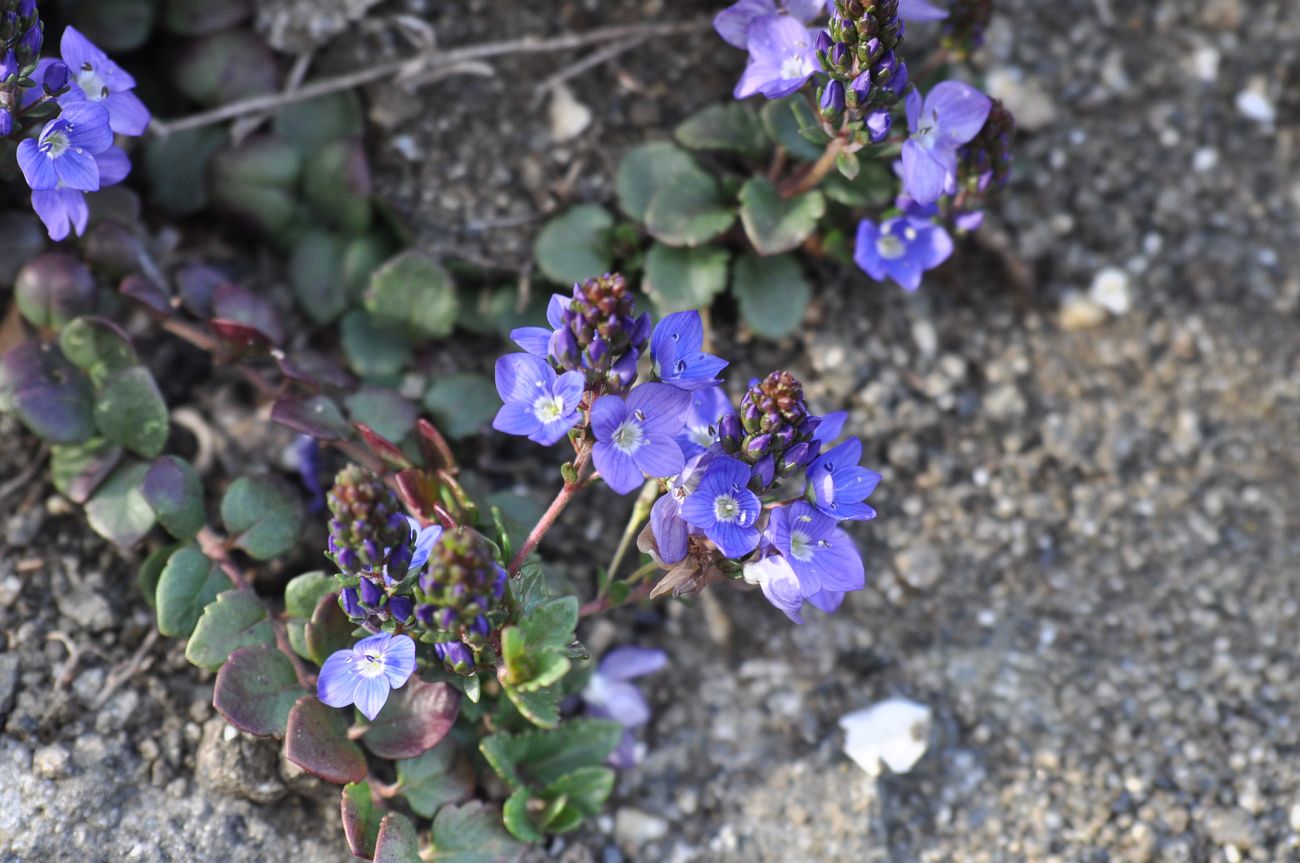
{"x": 1087, "y": 561}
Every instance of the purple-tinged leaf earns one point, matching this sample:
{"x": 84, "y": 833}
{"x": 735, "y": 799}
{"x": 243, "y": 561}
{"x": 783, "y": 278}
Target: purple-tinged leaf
{"x": 77, "y": 470}
{"x": 173, "y": 489}
{"x": 384, "y": 449}
{"x": 243, "y": 339}
{"x": 53, "y": 288}
{"x": 51, "y": 396}
{"x": 256, "y": 689}
{"x": 415, "y": 719}
{"x": 146, "y": 293}
{"x": 419, "y": 492}
{"x": 233, "y": 303}
{"x": 361, "y": 819}
{"x": 434, "y": 447}
{"x": 314, "y": 370}
{"x": 316, "y": 739}
{"x": 118, "y": 511}
{"x": 397, "y": 841}
{"x": 384, "y": 410}
{"x": 236, "y": 619}
{"x": 317, "y": 417}
{"x": 197, "y": 284}
{"x": 328, "y": 631}
{"x": 130, "y": 411}
{"x": 263, "y": 516}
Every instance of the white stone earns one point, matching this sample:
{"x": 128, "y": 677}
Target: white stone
{"x": 1110, "y": 290}
{"x": 1025, "y": 97}
{"x": 894, "y": 733}
{"x": 1254, "y": 104}
{"x": 569, "y": 117}
{"x": 633, "y": 828}
{"x": 1079, "y": 313}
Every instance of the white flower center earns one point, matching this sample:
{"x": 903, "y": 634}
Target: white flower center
{"x": 91, "y": 84}
{"x": 795, "y": 66}
{"x": 628, "y": 437}
{"x": 801, "y": 546}
{"x": 890, "y": 247}
{"x": 55, "y": 144}
{"x": 726, "y": 507}
{"x": 371, "y": 664}
{"x": 703, "y": 435}
{"x": 548, "y": 408}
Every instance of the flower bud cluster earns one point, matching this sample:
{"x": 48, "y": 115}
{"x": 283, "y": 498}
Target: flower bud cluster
{"x": 985, "y": 162}
{"x": 860, "y": 52}
{"x": 600, "y": 334}
{"x": 21, "y": 35}
{"x": 456, "y": 597}
{"x": 368, "y": 531}
{"x": 774, "y": 431}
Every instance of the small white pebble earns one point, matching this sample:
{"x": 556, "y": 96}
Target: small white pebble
{"x": 1205, "y": 159}
{"x": 1110, "y": 290}
{"x": 894, "y": 733}
{"x": 1254, "y": 103}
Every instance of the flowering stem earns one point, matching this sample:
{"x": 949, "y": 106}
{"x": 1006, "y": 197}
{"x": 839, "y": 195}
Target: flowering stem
{"x": 640, "y": 512}
{"x": 817, "y": 172}
{"x": 548, "y": 519}
{"x": 218, "y": 551}
{"x": 596, "y": 606}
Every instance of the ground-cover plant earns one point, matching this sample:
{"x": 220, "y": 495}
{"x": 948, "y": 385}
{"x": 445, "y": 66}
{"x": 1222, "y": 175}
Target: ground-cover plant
{"x": 843, "y": 129}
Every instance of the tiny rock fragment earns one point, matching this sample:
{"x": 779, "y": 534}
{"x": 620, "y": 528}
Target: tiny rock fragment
{"x": 894, "y": 733}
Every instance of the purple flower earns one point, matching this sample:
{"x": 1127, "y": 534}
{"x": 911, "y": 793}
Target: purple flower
{"x": 99, "y": 80}
{"x": 455, "y": 656}
{"x": 635, "y": 436}
{"x": 541, "y": 342}
{"x": 8, "y": 66}
{"x": 839, "y": 486}
{"x": 363, "y": 674}
{"x": 950, "y": 116}
{"x": 901, "y": 249}
{"x": 708, "y": 407}
{"x": 878, "y": 125}
{"x": 538, "y": 404}
{"x": 55, "y": 77}
{"x": 64, "y": 210}
{"x": 733, "y": 22}
{"x": 832, "y": 101}
{"x": 920, "y": 10}
{"x": 609, "y": 695}
{"x": 676, "y": 347}
{"x": 968, "y": 222}
{"x": 779, "y": 584}
{"x": 822, "y": 556}
{"x": 671, "y": 532}
{"x": 424, "y": 539}
{"x": 724, "y": 508}
{"x": 781, "y": 58}
{"x": 64, "y": 154}
{"x": 830, "y": 426}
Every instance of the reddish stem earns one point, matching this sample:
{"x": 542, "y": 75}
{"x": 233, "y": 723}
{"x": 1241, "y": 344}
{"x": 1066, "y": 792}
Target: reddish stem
{"x": 596, "y": 606}
{"x": 548, "y": 519}
{"x": 816, "y": 172}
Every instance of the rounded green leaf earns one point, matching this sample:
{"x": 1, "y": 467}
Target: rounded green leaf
{"x": 328, "y": 631}
{"x": 397, "y": 841}
{"x": 538, "y": 758}
{"x": 383, "y": 410}
{"x": 575, "y": 245}
{"x": 373, "y": 350}
{"x": 415, "y": 718}
{"x": 316, "y": 273}
{"x": 314, "y": 123}
{"x": 644, "y": 170}
{"x": 51, "y": 396}
{"x": 515, "y": 815}
{"x": 256, "y": 689}
{"x": 782, "y": 126}
{"x": 772, "y": 292}
{"x": 97, "y": 346}
{"x": 361, "y": 819}
{"x": 303, "y": 593}
{"x": 315, "y": 416}
{"x": 226, "y": 66}
{"x": 316, "y": 739}
{"x": 176, "y": 166}
{"x": 78, "y": 469}
{"x": 462, "y": 405}
{"x": 681, "y": 279}
{"x": 471, "y": 833}
{"x": 263, "y": 516}
{"x": 53, "y": 288}
{"x": 130, "y": 411}
{"x": 730, "y": 127}
{"x": 151, "y": 571}
{"x": 173, "y": 489}
{"x": 440, "y": 776}
{"x": 414, "y": 294}
{"x": 188, "y": 583}
{"x": 775, "y": 224}
{"x": 236, "y": 619}
{"x": 336, "y": 183}
{"x": 688, "y": 210}
{"x": 118, "y": 511}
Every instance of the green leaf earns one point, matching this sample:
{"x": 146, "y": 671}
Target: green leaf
{"x": 545, "y": 669}
{"x": 316, "y": 739}
{"x": 118, "y": 511}
{"x": 97, "y": 346}
{"x": 396, "y": 841}
{"x": 810, "y": 125}
{"x": 540, "y": 707}
{"x": 575, "y": 245}
{"x": 551, "y": 624}
{"x": 782, "y": 126}
{"x": 440, "y": 776}
{"x": 530, "y": 588}
{"x": 847, "y": 164}
{"x": 361, "y": 819}
{"x": 256, "y": 689}
{"x": 188, "y": 583}
{"x": 130, "y": 411}
{"x": 151, "y": 571}
{"x": 775, "y": 224}
{"x": 173, "y": 490}
{"x": 415, "y": 295}
{"x": 462, "y": 405}
{"x": 514, "y": 652}
{"x": 315, "y": 416}
{"x": 516, "y": 817}
{"x": 336, "y": 184}
{"x": 51, "y": 396}
{"x": 772, "y": 292}
{"x": 78, "y": 469}
{"x": 586, "y": 789}
{"x": 414, "y": 719}
{"x": 176, "y": 166}
{"x": 373, "y": 350}
{"x": 688, "y": 211}
{"x": 874, "y": 186}
{"x": 538, "y": 758}
{"x": 730, "y": 127}
{"x": 383, "y": 410}
{"x": 471, "y": 833}
{"x": 681, "y": 279}
{"x": 236, "y": 619}
{"x": 316, "y": 274}
{"x": 519, "y": 512}
{"x": 329, "y": 629}
{"x": 263, "y": 516}
{"x": 645, "y": 170}
{"x": 303, "y": 593}
{"x": 314, "y": 123}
